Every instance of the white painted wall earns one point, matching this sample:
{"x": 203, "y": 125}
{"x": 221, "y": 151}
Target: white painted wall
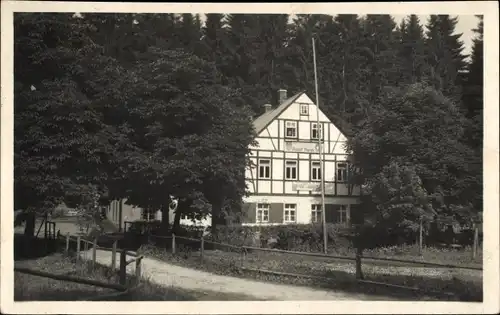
{"x": 303, "y": 204}
{"x": 272, "y": 138}
{"x": 271, "y": 145}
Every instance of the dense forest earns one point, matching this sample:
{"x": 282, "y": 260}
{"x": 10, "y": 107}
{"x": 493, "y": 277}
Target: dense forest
{"x": 144, "y": 106}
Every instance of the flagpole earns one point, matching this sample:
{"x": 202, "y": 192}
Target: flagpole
{"x": 321, "y": 158}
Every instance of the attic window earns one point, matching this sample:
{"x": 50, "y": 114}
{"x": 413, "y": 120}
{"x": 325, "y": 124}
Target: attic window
{"x": 304, "y": 109}
{"x": 291, "y": 129}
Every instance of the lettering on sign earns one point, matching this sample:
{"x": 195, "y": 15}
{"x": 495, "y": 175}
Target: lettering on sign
{"x": 314, "y": 187}
{"x": 306, "y": 147}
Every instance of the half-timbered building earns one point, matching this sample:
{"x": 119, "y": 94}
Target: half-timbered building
{"x": 284, "y": 179}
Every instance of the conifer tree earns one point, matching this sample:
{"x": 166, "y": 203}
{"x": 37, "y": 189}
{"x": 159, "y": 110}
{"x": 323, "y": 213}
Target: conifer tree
{"x": 380, "y": 47}
{"x": 445, "y": 55}
{"x": 412, "y": 50}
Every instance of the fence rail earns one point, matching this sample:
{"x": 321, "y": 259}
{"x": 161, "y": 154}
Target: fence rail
{"x": 121, "y": 287}
{"x": 96, "y": 283}
{"x": 349, "y": 258}
{"x": 114, "y": 250}
{"x": 359, "y": 276}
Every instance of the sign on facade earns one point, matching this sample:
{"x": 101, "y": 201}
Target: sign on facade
{"x": 314, "y": 187}
{"x": 305, "y": 147}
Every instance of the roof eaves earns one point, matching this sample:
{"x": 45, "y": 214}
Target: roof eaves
{"x": 269, "y": 117}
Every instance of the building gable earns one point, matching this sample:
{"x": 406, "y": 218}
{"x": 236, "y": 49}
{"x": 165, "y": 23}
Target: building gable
{"x": 268, "y": 124}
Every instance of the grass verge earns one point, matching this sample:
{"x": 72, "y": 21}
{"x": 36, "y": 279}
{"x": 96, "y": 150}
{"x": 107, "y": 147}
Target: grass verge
{"x": 36, "y": 288}
{"x": 464, "y": 285}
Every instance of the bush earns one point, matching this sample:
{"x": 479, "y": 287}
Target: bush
{"x": 297, "y": 237}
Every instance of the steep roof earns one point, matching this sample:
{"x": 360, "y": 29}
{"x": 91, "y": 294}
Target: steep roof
{"x": 261, "y": 122}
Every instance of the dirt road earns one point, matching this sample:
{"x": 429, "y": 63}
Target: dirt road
{"x": 168, "y": 275}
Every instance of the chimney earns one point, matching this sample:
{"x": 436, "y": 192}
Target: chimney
{"x": 282, "y": 95}
{"x": 268, "y": 108}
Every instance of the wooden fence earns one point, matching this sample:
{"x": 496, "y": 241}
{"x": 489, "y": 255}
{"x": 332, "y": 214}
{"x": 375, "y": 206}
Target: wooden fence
{"x": 244, "y": 250}
{"x": 123, "y": 262}
{"x": 121, "y": 287}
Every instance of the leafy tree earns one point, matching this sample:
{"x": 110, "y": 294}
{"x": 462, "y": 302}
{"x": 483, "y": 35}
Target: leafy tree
{"x": 397, "y": 198}
{"x": 189, "y": 139}
{"x": 64, "y": 89}
{"x": 417, "y": 126}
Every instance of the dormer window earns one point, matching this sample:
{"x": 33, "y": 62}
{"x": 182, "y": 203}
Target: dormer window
{"x": 291, "y": 129}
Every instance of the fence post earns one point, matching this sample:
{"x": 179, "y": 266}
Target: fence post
{"x": 475, "y": 242}
{"x": 67, "y": 244}
{"x": 420, "y": 238}
{"x": 123, "y": 267}
{"x": 78, "y": 248}
{"x": 243, "y": 255}
{"x": 173, "y": 243}
{"x": 359, "y": 271}
{"x": 113, "y": 256}
{"x": 202, "y": 248}
{"x": 85, "y": 248}
{"x": 138, "y": 269}
{"x": 94, "y": 252}
{"x": 359, "y": 251}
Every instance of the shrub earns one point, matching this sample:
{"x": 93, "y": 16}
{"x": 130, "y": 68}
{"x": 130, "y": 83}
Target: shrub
{"x": 297, "y": 237}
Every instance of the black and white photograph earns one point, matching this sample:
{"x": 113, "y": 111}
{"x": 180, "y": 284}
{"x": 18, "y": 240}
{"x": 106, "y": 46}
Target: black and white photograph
{"x": 198, "y": 153}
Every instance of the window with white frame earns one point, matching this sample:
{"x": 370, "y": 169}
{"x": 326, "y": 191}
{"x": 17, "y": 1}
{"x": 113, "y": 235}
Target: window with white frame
{"x": 290, "y": 213}
{"x": 264, "y": 168}
{"x": 315, "y": 213}
{"x": 342, "y": 214}
{"x": 342, "y": 172}
{"x": 315, "y": 170}
{"x": 304, "y": 109}
{"x": 291, "y": 129}
{"x": 316, "y": 131}
{"x": 291, "y": 170}
{"x": 148, "y": 214}
{"x": 262, "y": 213}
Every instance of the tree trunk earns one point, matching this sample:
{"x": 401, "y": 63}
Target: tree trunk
{"x": 165, "y": 216}
{"x": 29, "y": 228}
{"x": 177, "y": 217}
{"x": 475, "y": 241}
{"x": 359, "y": 252}
{"x": 216, "y": 216}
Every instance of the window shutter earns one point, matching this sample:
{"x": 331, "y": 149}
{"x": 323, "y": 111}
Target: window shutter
{"x": 331, "y": 213}
{"x": 276, "y": 213}
{"x": 249, "y": 214}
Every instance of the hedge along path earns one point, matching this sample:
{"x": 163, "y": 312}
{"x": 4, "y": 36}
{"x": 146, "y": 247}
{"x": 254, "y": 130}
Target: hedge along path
{"x": 169, "y": 275}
